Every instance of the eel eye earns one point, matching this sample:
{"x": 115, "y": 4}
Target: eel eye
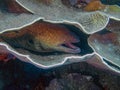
{"x": 31, "y": 41}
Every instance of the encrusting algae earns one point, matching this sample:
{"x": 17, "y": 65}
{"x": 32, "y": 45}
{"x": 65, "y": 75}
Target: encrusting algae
{"x": 94, "y": 6}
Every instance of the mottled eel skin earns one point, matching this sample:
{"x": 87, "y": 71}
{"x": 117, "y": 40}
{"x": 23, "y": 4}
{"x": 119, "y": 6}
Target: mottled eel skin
{"x": 42, "y": 37}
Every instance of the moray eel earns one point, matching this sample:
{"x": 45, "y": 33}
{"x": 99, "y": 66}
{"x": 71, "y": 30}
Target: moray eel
{"x": 42, "y": 37}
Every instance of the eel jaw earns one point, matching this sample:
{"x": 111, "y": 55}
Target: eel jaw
{"x": 68, "y": 48}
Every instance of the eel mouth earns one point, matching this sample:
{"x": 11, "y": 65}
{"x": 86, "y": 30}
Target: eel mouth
{"x": 69, "y": 48}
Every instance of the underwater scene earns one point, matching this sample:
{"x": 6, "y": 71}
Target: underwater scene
{"x": 59, "y": 44}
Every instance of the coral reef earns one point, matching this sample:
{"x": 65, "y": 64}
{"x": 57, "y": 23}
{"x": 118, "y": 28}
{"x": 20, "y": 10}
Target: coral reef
{"x": 64, "y": 45}
{"x": 107, "y": 45}
{"x": 30, "y": 40}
